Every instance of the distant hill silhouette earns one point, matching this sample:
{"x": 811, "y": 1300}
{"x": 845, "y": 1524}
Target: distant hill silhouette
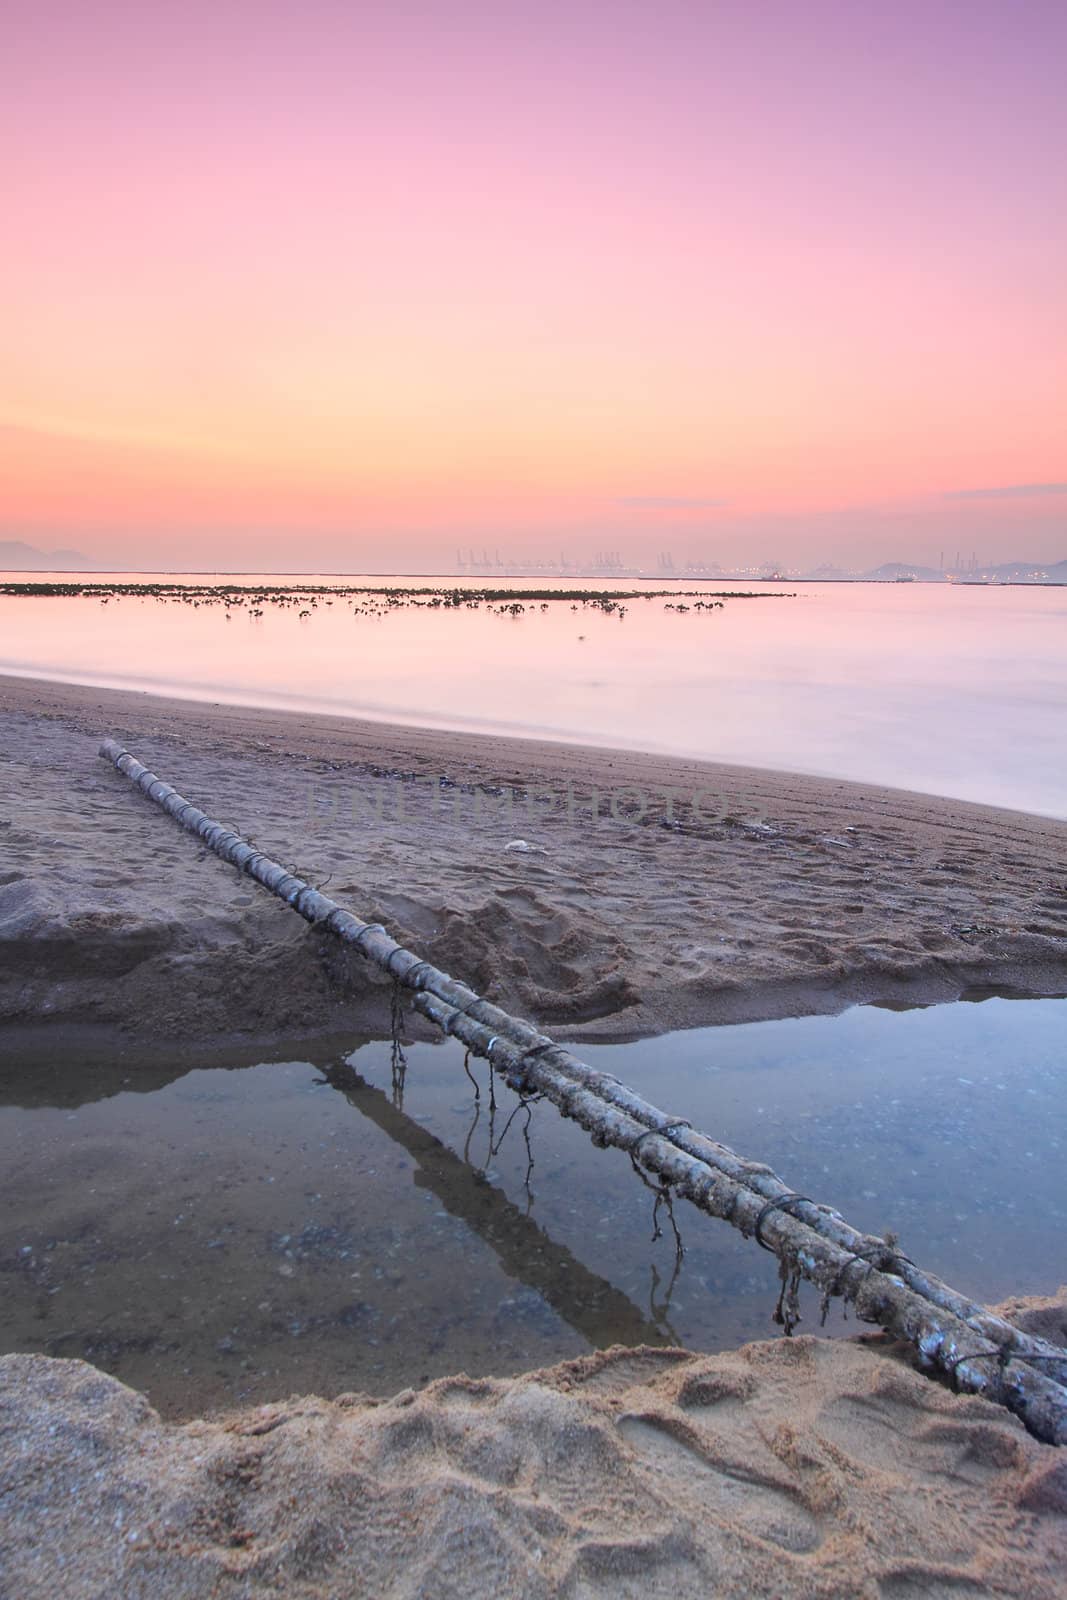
{"x": 17, "y": 556}
{"x": 1055, "y": 571}
{"x": 1007, "y": 572}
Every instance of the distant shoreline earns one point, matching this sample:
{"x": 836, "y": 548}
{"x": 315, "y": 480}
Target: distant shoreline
{"x": 523, "y": 577}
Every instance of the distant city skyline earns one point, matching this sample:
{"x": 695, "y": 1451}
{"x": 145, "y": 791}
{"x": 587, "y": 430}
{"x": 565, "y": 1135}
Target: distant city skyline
{"x": 285, "y": 286}
{"x": 477, "y": 563}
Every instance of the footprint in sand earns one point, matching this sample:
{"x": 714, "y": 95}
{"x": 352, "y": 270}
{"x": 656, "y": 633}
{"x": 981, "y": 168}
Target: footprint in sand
{"x": 743, "y": 1499}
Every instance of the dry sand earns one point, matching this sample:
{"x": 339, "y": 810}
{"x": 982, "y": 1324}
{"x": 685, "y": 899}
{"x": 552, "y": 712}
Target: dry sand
{"x": 799, "y": 1468}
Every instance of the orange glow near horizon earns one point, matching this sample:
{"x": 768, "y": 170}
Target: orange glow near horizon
{"x": 445, "y": 275}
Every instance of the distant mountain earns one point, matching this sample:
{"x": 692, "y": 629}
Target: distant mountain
{"x": 16, "y": 556}
{"x": 1029, "y": 571}
{"x": 1006, "y": 572}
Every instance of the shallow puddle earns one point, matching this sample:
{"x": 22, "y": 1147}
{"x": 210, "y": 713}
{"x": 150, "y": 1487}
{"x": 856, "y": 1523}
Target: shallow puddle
{"x": 236, "y": 1234}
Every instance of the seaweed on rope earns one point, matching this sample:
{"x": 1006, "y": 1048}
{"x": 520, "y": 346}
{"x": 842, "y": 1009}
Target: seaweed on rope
{"x": 975, "y": 1349}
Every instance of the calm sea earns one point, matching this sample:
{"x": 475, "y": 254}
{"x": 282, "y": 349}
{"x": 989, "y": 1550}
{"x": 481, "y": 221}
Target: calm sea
{"x": 952, "y": 690}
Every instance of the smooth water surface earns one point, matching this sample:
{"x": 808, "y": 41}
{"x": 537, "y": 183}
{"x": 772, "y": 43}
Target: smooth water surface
{"x": 943, "y": 688}
{"x": 239, "y": 1235}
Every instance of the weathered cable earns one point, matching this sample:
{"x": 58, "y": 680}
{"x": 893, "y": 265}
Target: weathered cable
{"x": 929, "y": 1313}
{"x": 942, "y": 1340}
{"x": 373, "y": 942}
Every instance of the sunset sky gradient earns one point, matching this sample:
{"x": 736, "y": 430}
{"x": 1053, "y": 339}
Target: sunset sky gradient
{"x": 342, "y": 285}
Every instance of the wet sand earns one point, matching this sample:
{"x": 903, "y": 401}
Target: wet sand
{"x": 659, "y": 893}
{"x": 802, "y": 1467}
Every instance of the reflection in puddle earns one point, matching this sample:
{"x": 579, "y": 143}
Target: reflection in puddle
{"x": 329, "y": 1225}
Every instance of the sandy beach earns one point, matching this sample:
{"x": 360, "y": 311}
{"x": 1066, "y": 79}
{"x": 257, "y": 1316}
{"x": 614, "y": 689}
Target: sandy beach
{"x": 533, "y": 803}
{"x": 695, "y": 894}
{"x": 606, "y": 895}
{"x": 804, "y": 1468}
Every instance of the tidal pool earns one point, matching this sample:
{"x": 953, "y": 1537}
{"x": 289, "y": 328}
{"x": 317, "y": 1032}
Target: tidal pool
{"x": 224, "y": 1234}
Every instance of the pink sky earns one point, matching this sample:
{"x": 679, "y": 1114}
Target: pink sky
{"x": 336, "y": 284}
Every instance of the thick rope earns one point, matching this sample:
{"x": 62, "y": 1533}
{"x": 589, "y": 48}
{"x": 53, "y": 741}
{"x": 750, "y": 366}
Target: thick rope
{"x": 1024, "y": 1373}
